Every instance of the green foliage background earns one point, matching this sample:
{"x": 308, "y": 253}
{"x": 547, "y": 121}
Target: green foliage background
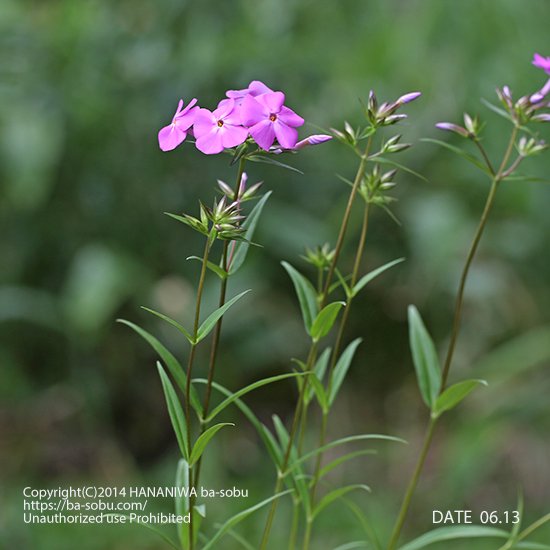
{"x": 84, "y": 88}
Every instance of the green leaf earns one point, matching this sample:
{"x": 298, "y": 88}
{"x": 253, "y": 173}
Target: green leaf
{"x": 384, "y": 160}
{"x": 203, "y": 440}
{"x": 219, "y": 271}
{"x": 237, "y": 518}
{"x": 175, "y": 411}
{"x": 341, "y": 369}
{"x": 234, "y": 396}
{"x": 171, "y": 362}
{"x": 342, "y": 441}
{"x": 307, "y": 296}
{"x": 241, "y": 248}
{"x": 319, "y": 391}
{"x": 149, "y": 527}
{"x": 263, "y": 432}
{"x": 454, "y": 394}
{"x": 373, "y": 274}
{"x": 470, "y": 158}
{"x": 497, "y": 110}
{"x": 353, "y": 545}
{"x": 182, "y": 480}
{"x": 330, "y": 497}
{"x": 325, "y": 319}
{"x": 171, "y": 321}
{"x": 342, "y": 459}
{"x": 269, "y": 160}
{"x": 319, "y": 369}
{"x": 210, "y": 322}
{"x": 192, "y": 222}
{"x": 454, "y": 533}
{"x": 425, "y": 359}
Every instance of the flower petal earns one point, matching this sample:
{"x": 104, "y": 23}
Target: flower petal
{"x": 204, "y": 122}
{"x": 263, "y": 134}
{"x": 290, "y": 118}
{"x": 186, "y": 119}
{"x": 252, "y": 111}
{"x": 233, "y": 135}
{"x": 170, "y": 137}
{"x": 257, "y": 87}
{"x": 190, "y": 105}
{"x": 210, "y": 143}
{"x": 225, "y": 106}
{"x": 286, "y": 136}
{"x": 273, "y": 101}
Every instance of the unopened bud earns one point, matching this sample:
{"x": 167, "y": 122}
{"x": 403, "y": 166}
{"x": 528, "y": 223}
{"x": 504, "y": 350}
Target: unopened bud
{"x": 450, "y": 127}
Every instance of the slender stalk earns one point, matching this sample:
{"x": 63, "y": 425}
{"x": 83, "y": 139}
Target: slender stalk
{"x": 335, "y": 353}
{"x": 294, "y": 526}
{"x": 313, "y": 349}
{"x": 217, "y": 330}
{"x": 498, "y": 177}
{"x": 190, "y": 367}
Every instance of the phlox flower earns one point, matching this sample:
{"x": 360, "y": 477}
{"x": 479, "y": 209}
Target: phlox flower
{"x": 220, "y": 129}
{"x": 255, "y": 88}
{"x": 542, "y": 62}
{"x": 267, "y": 118}
{"x": 175, "y": 133}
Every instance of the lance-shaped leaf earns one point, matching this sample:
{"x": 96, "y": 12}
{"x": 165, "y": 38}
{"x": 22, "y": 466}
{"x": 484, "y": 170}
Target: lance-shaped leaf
{"x": 219, "y": 271}
{"x": 343, "y": 459}
{"x": 457, "y": 150}
{"x": 176, "y": 370}
{"x": 147, "y": 526}
{"x": 175, "y": 411}
{"x": 203, "y": 440}
{"x": 454, "y": 532}
{"x": 241, "y": 248}
{"x": 237, "y": 518}
{"x": 324, "y": 320}
{"x": 198, "y": 225}
{"x": 335, "y": 494}
{"x": 453, "y": 395}
{"x": 243, "y": 391}
{"x": 307, "y": 296}
{"x": 426, "y": 362}
{"x": 341, "y": 369}
{"x": 210, "y": 322}
{"x": 319, "y": 369}
{"x": 320, "y": 392}
{"x": 171, "y": 321}
{"x": 363, "y": 281}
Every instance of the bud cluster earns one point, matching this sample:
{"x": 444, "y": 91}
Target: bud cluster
{"x": 374, "y": 185}
{"x": 320, "y": 257}
{"x": 526, "y": 108}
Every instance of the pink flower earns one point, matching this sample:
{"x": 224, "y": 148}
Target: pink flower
{"x": 174, "y": 134}
{"x": 542, "y": 62}
{"x": 255, "y": 88}
{"x": 219, "y": 130}
{"x": 315, "y": 139}
{"x": 267, "y": 118}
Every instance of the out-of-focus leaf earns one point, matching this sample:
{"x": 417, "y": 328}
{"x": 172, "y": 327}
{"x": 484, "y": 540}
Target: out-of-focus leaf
{"x": 454, "y": 532}
{"x": 171, "y": 321}
{"x": 307, "y": 295}
{"x": 457, "y": 150}
{"x": 453, "y": 395}
{"x": 341, "y": 369}
{"x": 373, "y": 274}
{"x": 335, "y": 494}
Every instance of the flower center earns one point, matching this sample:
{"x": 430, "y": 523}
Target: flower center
{"x": 272, "y": 117}
{"x": 220, "y": 123}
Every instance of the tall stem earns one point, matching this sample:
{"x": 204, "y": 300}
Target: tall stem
{"x": 217, "y": 329}
{"x": 335, "y": 353}
{"x": 497, "y": 178}
{"x": 190, "y": 368}
{"x": 313, "y": 349}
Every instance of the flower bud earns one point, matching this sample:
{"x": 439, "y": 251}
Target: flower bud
{"x": 450, "y": 127}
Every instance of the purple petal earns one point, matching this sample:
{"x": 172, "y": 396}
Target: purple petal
{"x": 286, "y": 136}
{"x": 273, "y": 101}
{"x": 541, "y": 62}
{"x": 225, "y": 107}
{"x": 407, "y": 98}
{"x": 170, "y": 137}
{"x": 185, "y": 120}
{"x": 315, "y": 139}
{"x": 541, "y": 94}
{"x": 263, "y": 134}
{"x": 233, "y": 135}
{"x": 190, "y": 105}
{"x": 252, "y": 111}
{"x": 211, "y": 143}
{"x": 178, "y": 110}
{"x": 289, "y": 117}
{"x": 204, "y": 122}
{"x": 257, "y": 87}
{"x": 450, "y": 127}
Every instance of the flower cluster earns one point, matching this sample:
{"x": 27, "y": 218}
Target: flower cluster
{"x": 256, "y": 112}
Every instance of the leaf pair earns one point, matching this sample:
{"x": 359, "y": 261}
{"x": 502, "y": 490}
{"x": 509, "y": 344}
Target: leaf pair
{"x": 317, "y": 323}
{"x": 208, "y": 324}
{"x": 428, "y": 370}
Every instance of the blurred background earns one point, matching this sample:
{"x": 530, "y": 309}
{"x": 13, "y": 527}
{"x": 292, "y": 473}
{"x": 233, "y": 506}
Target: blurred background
{"x": 84, "y": 88}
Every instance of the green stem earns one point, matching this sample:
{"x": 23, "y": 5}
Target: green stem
{"x": 335, "y": 353}
{"x": 190, "y": 368}
{"x": 454, "y": 335}
{"x": 294, "y": 526}
{"x": 313, "y": 350}
{"x": 217, "y": 330}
